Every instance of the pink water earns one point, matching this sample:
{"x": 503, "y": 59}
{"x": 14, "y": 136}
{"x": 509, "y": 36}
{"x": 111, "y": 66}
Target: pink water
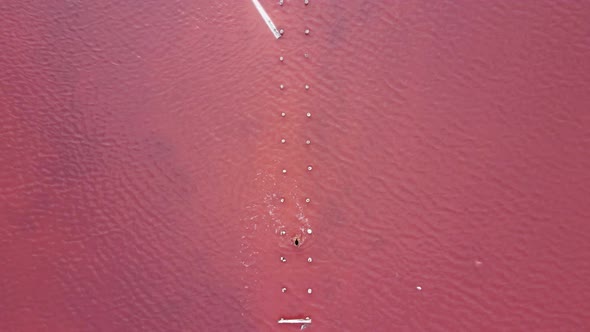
{"x": 140, "y": 166}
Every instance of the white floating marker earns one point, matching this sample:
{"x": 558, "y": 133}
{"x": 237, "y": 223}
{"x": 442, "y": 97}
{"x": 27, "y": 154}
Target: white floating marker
{"x": 281, "y": 32}
{"x": 306, "y": 87}
{"x": 280, "y": 2}
{"x": 309, "y": 168}
{"x": 281, "y": 58}
{"x": 307, "y": 200}
{"x": 267, "y": 19}
{"x": 283, "y": 114}
{"x": 309, "y": 231}
{"x": 309, "y": 260}
{"x": 283, "y": 141}
{"x": 309, "y": 291}
{"x": 307, "y": 31}
{"x": 308, "y": 142}
{"x": 284, "y": 171}
{"x": 283, "y": 259}
{"x": 283, "y": 233}
{"x": 282, "y": 200}
{"x": 308, "y": 115}
{"x": 281, "y": 87}
{"x": 306, "y": 2}
{"x": 419, "y": 288}
{"x": 284, "y": 289}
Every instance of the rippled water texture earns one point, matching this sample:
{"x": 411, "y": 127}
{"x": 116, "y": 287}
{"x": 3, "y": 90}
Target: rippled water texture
{"x": 141, "y": 165}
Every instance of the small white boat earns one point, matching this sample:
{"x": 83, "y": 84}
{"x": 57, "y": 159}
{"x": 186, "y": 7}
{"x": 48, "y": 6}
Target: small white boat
{"x": 267, "y": 19}
{"x": 305, "y": 320}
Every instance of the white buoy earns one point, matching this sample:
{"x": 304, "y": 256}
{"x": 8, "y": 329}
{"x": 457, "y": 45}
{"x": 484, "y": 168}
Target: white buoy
{"x": 309, "y": 260}
{"x": 282, "y": 200}
{"x": 283, "y": 114}
{"x": 284, "y": 289}
{"x": 307, "y": 200}
{"x": 419, "y": 288}
{"x": 309, "y": 291}
{"x": 283, "y": 259}
{"x": 283, "y": 233}
{"x": 306, "y": 2}
{"x": 308, "y": 115}
{"x": 308, "y": 142}
{"x": 281, "y": 32}
{"x": 309, "y": 168}
{"x": 283, "y": 141}
{"x": 280, "y": 2}
{"x": 306, "y": 87}
{"x": 281, "y": 58}
{"x": 307, "y": 31}
{"x": 284, "y": 171}
{"x": 309, "y": 231}
{"x": 281, "y": 86}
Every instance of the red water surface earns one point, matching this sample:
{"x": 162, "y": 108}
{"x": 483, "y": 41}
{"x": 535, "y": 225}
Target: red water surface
{"x": 140, "y": 165}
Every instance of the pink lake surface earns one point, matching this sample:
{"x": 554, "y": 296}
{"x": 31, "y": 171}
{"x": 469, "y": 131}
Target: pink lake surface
{"x": 141, "y": 165}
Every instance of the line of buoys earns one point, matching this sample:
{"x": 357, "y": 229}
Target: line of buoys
{"x": 296, "y": 240}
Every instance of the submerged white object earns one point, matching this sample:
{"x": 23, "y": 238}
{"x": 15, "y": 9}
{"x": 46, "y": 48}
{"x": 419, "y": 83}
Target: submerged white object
{"x": 267, "y": 19}
{"x": 305, "y": 320}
